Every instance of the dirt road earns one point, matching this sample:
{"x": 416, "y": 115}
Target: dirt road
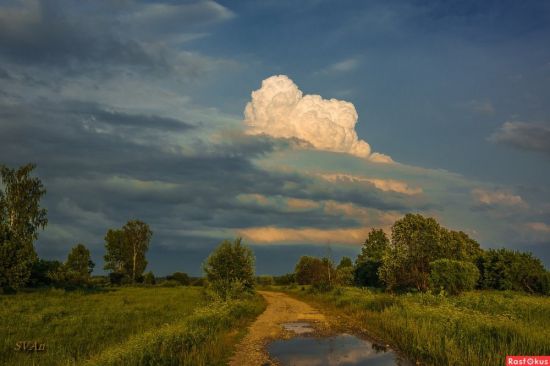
{"x": 281, "y": 308}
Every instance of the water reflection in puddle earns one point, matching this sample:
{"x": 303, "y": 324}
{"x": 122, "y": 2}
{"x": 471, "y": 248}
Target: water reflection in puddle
{"x": 343, "y": 349}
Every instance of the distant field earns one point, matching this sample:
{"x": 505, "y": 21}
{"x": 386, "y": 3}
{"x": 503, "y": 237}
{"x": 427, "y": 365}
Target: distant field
{"x": 121, "y": 326}
{"x": 476, "y": 328}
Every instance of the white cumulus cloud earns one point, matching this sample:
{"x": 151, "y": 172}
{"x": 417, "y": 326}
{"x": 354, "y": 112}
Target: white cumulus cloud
{"x": 280, "y": 109}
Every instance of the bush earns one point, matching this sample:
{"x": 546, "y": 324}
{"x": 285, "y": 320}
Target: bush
{"x": 230, "y": 266}
{"x": 453, "y": 276}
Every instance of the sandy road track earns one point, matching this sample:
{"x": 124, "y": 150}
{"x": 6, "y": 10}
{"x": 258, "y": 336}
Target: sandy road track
{"x": 281, "y": 308}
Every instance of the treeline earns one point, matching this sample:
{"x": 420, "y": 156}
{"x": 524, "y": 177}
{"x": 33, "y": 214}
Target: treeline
{"x": 21, "y": 218}
{"x": 423, "y": 255}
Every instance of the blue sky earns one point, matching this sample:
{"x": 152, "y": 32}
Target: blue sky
{"x": 137, "y": 110}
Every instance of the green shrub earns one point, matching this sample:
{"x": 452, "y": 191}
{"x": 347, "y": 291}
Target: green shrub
{"x": 230, "y": 268}
{"x": 505, "y": 269}
{"x": 453, "y": 276}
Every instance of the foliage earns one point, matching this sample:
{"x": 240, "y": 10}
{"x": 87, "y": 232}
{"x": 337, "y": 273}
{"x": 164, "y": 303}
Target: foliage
{"x": 126, "y": 248}
{"x": 457, "y": 245}
{"x": 20, "y": 219}
{"x": 345, "y": 262}
{"x": 476, "y": 328}
{"x": 453, "y": 276}
{"x": 318, "y": 272}
{"x": 307, "y": 270}
{"x": 180, "y": 277}
{"x": 115, "y": 252}
{"x": 76, "y": 270}
{"x": 416, "y": 242}
{"x": 230, "y": 265}
{"x": 40, "y": 272}
{"x": 505, "y": 269}
{"x": 366, "y": 273}
{"x": 374, "y": 247}
{"x": 285, "y": 280}
{"x": 149, "y": 278}
{"x": 345, "y": 275}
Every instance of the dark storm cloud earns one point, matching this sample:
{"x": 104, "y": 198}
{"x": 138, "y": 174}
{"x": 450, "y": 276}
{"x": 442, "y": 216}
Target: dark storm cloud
{"x": 96, "y": 180}
{"x": 46, "y": 34}
{"x": 96, "y": 114}
{"x": 104, "y": 36}
{"x": 524, "y": 136}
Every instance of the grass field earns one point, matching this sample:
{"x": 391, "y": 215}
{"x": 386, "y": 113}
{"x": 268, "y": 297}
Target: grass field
{"x": 122, "y": 326}
{"x": 476, "y": 328}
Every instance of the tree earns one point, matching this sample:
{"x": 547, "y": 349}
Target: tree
{"x": 369, "y": 261}
{"x": 504, "y": 269}
{"x": 375, "y": 245}
{"x": 345, "y": 262}
{"x": 80, "y": 262}
{"x": 126, "y": 248}
{"x": 345, "y": 275}
{"x": 307, "y": 270}
{"x": 77, "y": 269}
{"x": 20, "y": 219}
{"x": 230, "y": 267}
{"x": 453, "y": 276}
{"x": 318, "y": 272}
{"x": 137, "y": 236}
{"x": 459, "y": 246}
{"x": 416, "y": 241}
{"x": 115, "y": 256}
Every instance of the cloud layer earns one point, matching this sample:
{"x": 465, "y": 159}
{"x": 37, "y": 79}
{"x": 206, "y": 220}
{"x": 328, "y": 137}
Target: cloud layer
{"x": 281, "y": 110}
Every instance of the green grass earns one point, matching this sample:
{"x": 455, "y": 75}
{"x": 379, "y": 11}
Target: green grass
{"x": 79, "y": 326}
{"x": 476, "y": 328}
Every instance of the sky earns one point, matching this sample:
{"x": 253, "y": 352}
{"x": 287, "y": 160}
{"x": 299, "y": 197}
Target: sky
{"x": 299, "y": 126}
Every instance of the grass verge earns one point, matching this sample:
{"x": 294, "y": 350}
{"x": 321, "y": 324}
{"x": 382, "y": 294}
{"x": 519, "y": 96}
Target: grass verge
{"x": 475, "y": 328}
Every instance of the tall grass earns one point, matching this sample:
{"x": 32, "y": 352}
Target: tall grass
{"x": 476, "y": 328}
{"x": 77, "y": 326}
{"x": 200, "y": 339}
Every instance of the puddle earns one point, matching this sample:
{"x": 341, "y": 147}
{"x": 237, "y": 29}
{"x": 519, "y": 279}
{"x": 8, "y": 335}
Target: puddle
{"x": 341, "y": 350}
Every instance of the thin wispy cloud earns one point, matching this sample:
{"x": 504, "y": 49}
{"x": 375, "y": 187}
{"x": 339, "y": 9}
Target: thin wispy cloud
{"x": 524, "y": 136}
